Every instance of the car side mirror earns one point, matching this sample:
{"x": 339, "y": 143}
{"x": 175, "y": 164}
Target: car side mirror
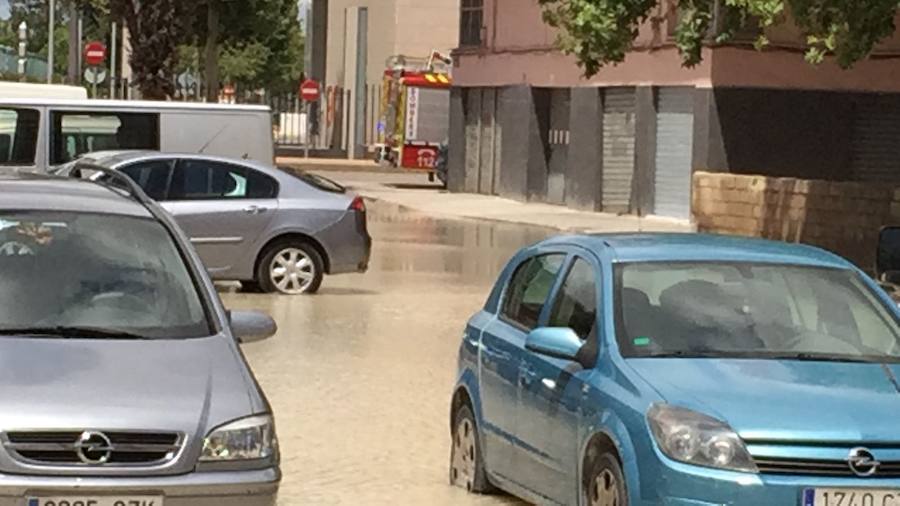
{"x": 556, "y": 342}
{"x": 887, "y": 258}
{"x": 251, "y": 326}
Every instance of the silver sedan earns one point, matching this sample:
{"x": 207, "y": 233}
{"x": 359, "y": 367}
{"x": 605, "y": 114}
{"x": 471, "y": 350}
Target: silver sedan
{"x": 272, "y": 229}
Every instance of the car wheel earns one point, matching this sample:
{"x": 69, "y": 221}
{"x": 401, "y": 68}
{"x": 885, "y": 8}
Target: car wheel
{"x": 466, "y": 459}
{"x": 251, "y": 287}
{"x": 291, "y": 268}
{"x": 604, "y": 483}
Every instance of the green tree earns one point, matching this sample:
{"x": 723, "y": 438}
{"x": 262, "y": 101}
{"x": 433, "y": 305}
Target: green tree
{"x": 600, "y": 32}
{"x": 155, "y": 31}
{"x": 256, "y": 43}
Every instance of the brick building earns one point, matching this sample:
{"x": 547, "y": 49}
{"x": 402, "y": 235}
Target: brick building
{"x": 525, "y": 124}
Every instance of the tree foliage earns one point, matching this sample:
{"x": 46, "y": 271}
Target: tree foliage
{"x": 259, "y": 42}
{"x": 154, "y": 28}
{"x": 600, "y": 32}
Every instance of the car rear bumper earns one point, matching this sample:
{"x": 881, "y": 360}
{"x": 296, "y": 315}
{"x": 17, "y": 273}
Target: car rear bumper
{"x": 348, "y": 244}
{"x": 233, "y": 488}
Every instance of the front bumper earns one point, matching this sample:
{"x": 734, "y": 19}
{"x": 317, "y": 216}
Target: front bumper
{"x": 683, "y": 485}
{"x": 233, "y": 488}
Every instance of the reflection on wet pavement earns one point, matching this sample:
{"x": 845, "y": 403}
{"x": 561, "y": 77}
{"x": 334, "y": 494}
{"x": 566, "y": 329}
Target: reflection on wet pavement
{"x": 360, "y": 375}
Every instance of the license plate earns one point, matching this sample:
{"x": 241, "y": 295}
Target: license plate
{"x": 850, "y": 497}
{"x": 100, "y": 500}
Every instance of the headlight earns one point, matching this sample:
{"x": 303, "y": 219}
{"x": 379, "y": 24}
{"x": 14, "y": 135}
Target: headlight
{"x": 694, "y": 438}
{"x": 251, "y": 438}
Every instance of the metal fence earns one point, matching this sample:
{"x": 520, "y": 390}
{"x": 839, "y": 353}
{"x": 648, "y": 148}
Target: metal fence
{"x": 35, "y": 68}
{"x": 330, "y": 126}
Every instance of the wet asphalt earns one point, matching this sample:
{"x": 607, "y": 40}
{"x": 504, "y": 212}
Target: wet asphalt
{"x": 360, "y": 375}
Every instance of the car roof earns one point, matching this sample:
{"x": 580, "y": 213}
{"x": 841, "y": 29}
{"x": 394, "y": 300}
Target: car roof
{"x": 91, "y": 104}
{"x": 24, "y": 191}
{"x": 112, "y": 159}
{"x": 686, "y": 247}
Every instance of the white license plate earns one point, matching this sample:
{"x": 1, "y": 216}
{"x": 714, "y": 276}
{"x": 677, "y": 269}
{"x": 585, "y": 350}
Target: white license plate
{"x": 100, "y": 500}
{"x": 850, "y": 497}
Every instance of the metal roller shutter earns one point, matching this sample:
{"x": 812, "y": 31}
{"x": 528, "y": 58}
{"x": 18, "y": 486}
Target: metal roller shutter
{"x": 674, "y": 151}
{"x": 875, "y": 151}
{"x": 618, "y": 148}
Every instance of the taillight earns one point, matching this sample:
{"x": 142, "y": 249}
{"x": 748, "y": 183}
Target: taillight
{"x": 358, "y": 204}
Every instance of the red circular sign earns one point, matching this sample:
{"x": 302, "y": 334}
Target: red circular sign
{"x": 94, "y": 53}
{"x": 309, "y": 90}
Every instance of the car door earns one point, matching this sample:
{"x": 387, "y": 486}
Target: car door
{"x": 223, "y": 207}
{"x": 551, "y": 390}
{"x": 503, "y": 342}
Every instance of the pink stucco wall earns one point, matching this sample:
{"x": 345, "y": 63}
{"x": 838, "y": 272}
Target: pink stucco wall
{"x": 518, "y": 47}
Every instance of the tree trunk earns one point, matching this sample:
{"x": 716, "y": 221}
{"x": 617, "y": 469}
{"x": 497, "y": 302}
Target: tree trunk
{"x": 74, "y": 45}
{"x": 211, "y": 56}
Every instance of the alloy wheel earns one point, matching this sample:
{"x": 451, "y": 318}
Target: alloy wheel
{"x": 292, "y": 271}
{"x": 605, "y": 490}
{"x": 463, "y": 467}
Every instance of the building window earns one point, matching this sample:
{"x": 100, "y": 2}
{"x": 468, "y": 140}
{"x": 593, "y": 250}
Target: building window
{"x": 470, "y": 21}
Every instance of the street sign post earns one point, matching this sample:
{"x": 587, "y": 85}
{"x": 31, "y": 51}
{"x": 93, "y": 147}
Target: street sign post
{"x": 309, "y": 93}
{"x": 94, "y": 56}
{"x": 309, "y": 90}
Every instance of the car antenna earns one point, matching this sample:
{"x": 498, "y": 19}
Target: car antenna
{"x": 211, "y": 139}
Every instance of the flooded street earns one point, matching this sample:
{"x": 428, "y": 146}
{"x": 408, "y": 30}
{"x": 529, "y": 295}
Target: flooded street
{"x": 360, "y": 375}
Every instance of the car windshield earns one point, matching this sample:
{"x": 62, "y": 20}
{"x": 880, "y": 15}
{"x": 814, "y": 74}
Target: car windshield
{"x": 109, "y": 274}
{"x": 751, "y": 311}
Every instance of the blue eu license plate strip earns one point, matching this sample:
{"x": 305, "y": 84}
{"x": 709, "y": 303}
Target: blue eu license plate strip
{"x": 809, "y": 497}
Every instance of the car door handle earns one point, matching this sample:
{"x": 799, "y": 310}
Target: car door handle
{"x": 255, "y": 209}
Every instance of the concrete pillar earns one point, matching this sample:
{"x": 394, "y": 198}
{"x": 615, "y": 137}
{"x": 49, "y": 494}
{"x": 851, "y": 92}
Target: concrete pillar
{"x": 584, "y": 174}
{"x": 456, "y": 155}
{"x": 642, "y": 189}
{"x": 514, "y": 113}
{"x": 709, "y": 145}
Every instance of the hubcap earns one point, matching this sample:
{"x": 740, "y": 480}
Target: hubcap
{"x": 605, "y": 490}
{"x": 292, "y": 271}
{"x": 462, "y": 470}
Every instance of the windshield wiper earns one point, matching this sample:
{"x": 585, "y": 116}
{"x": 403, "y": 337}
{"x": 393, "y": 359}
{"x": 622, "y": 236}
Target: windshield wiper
{"x": 67, "y": 332}
{"x": 685, "y": 354}
{"x": 817, "y": 357}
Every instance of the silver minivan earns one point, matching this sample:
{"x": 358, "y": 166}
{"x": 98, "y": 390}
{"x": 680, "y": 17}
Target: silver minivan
{"x": 42, "y": 133}
{"x": 121, "y": 378}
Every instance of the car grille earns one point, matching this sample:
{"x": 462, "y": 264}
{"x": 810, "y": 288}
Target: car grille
{"x": 63, "y": 448}
{"x": 771, "y": 465}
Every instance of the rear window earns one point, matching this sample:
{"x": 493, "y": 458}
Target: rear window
{"x": 315, "y": 180}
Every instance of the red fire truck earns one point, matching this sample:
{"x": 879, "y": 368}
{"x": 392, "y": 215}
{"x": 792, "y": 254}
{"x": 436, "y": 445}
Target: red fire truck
{"x": 415, "y": 112}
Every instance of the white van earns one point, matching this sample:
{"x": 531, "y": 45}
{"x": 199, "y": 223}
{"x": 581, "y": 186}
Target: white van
{"x": 45, "y": 133}
{"x": 31, "y": 90}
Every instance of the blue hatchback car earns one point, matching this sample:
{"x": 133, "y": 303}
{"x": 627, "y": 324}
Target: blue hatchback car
{"x": 682, "y": 370}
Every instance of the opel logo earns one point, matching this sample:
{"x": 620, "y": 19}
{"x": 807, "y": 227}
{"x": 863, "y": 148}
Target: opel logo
{"x": 93, "y": 448}
{"x": 862, "y": 462}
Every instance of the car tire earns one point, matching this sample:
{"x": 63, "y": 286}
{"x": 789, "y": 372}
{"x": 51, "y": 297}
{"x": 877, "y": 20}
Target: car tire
{"x": 250, "y": 287}
{"x": 467, "y": 468}
{"x": 604, "y": 482}
{"x": 291, "y": 268}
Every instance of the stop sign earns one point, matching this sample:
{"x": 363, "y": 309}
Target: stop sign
{"x": 309, "y": 90}
{"x": 94, "y": 53}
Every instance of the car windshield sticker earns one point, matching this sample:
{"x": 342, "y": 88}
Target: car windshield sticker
{"x": 641, "y": 341}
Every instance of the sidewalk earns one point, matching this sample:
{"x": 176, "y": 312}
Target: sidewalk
{"x": 412, "y": 191}
{"x": 334, "y": 164}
